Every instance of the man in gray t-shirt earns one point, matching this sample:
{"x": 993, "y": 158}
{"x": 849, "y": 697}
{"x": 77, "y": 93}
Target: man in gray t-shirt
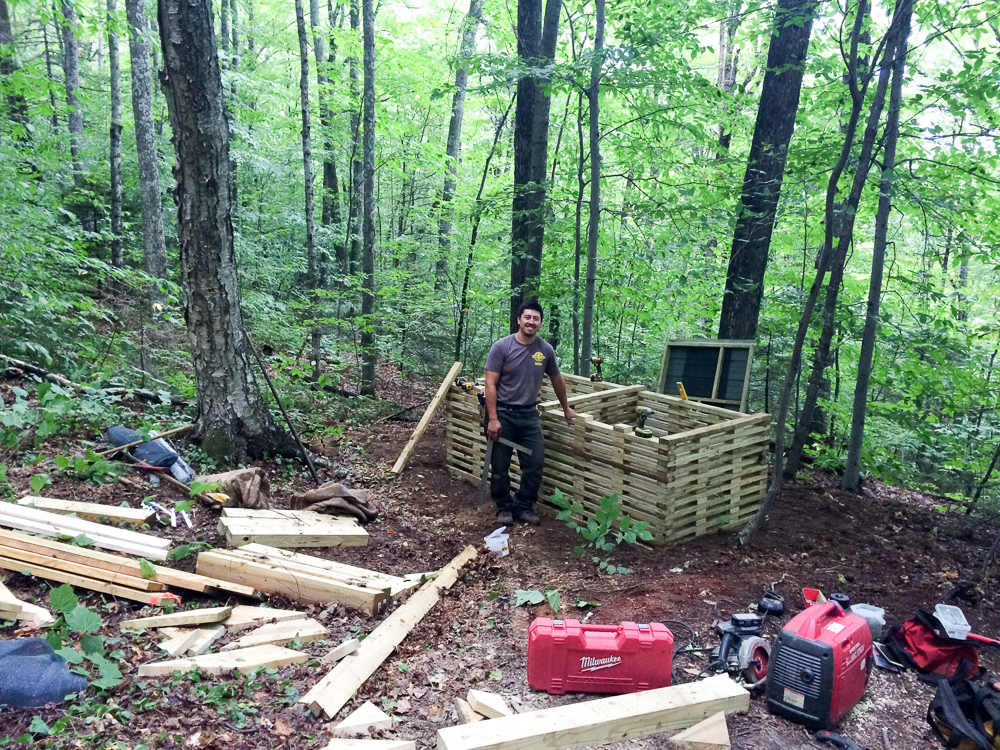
{"x": 514, "y": 370}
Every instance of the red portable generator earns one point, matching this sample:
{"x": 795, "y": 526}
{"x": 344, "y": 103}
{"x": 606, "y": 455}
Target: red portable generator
{"x": 820, "y": 664}
{"x": 565, "y": 656}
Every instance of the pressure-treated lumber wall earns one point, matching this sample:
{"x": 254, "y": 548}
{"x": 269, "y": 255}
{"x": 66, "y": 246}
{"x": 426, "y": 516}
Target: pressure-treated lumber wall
{"x": 704, "y": 469}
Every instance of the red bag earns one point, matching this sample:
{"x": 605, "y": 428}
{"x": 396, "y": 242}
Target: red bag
{"x": 922, "y": 643}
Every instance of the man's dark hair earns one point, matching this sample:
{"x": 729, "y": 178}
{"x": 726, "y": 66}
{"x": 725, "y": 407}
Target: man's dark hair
{"x": 531, "y": 304}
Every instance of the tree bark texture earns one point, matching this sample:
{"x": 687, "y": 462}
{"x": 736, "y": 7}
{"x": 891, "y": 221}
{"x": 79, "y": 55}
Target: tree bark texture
{"x": 8, "y": 66}
{"x": 330, "y": 200}
{"x": 353, "y": 256}
{"x": 51, "y": 79}
{"x": 71, "y": 70}
{"x": 114, "y": 62}
{"x": 466, "y": 47}
{"x": 729, "y": 60}
{"x": 593, "y": 226}
{"x": 312, "y": 267}
{"x": 779, "y": 101}
{"x": 852, "y": 471}
{"x": 153, "y": 242}
{"x": 368, "y": 353}
{"x": 233, "y": 420}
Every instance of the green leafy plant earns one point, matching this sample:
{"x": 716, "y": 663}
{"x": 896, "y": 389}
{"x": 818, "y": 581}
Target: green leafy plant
{"x": 533, "y": 596}
{"x": 599, "y": 532}
{"x": 75, "y": 618}
{"x": 186, "y": 550}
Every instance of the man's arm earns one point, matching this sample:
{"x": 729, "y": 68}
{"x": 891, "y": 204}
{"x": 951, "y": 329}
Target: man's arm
{"x": 559, "y": 386}
{"x": 493, "y": 426}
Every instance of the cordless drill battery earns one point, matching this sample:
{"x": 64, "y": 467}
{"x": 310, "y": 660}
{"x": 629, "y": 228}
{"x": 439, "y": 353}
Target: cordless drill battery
{"x": 565, "y": 656}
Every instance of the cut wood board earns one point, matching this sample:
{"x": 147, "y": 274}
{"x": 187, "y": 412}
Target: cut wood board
{"x": 356, "y": 744}
{"x": 81, "y": 569}
{"x": 207, "y": 635}
{"x": 710, "y": 734}
{"x": 10, "y": 605}
{"x": 52, "y": 574}
{"x": 291, "y": 528}
{"x": 338, "y": 653}
{"x": 601, "y": 721}
{"x": 176, "y": 619}
{"x": 36, "y": 616}
{"x": 490, "y": 705}
{"x": 465, "y": 713}
{"x": 181, "y": 642}
{"x": 281, "y": 633}
{"x": 425, "y": 420}
{"x": 244, "y": 617}
{"x": 363, "y": 720}
{"x": 116, "y": 563}
{"x": 301, "y": 587}
{"x": 322, "y": 567}
{"x": 332, "y": 693}
{"x": 110, "y": 537}
{"x": 218, "y": 664}
{"x": 90, "y": 511}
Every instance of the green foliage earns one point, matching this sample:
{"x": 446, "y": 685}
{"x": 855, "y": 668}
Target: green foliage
{"x": 599, "y": 532}
{"x": 183, "y": 551}
{"x": 533, "y": 596}
{"x": 93, "y": 655}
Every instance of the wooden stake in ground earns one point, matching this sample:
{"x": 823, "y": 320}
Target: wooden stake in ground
{"x": 425, "y": 420}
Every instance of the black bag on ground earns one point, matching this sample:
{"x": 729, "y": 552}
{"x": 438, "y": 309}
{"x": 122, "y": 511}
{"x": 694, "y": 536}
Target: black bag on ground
{"x": 965, "y": 715}
{"x": 155, "y": 453}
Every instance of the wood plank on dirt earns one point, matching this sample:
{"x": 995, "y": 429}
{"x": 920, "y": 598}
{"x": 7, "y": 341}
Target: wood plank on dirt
{"x": 81, "y": 526}
{"x": 332, "y": 693}
{"x": 465, "y": 713}
{"x": 281, "y": 634}
{"x": 244, "y": 617}
{"x": 53, "y": 574}
{"x": 490, "y": 705}
{"x": 363, "y": 720}
{"x": 710, "y": 734}
{"x": 180, "y": 642}
{"x": 88, "y": 571}
{"x": 218, "y": 664}
{"x": 10, "y": 605}
{"x": 344, "y": 649}
{"x": 425, "y": 420}
{"x": 177, "y": 619}
{"x": 601, "y": 721}
{"x": 207, "y": 635}
{"x": 90, "y": 511}
{"x": 322, "y": 567}
{"x": 340, "y": 743}
{"x": 322, "y": 531}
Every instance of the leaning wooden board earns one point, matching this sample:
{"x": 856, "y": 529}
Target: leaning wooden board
{"x": 601, "y": 721}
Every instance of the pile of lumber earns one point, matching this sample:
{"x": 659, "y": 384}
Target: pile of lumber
{"x": 90, "y": 511}
{"x": 290, "y": 528}
{"x": 305, "y": 578}
{"x": 101, "y": 571}
{"x": 52, "y": 524}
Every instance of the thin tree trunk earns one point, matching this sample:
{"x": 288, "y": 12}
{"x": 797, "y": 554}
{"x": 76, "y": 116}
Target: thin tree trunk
{"x": 331, "y": 197}
{"x": 357, "y": 176}
{"x": 153, "y": 241}
{"x": 578, "y": 236}
{"x": 8, "y": 66}
{"x": 236, "y": 40}
{"x": 114, "y": 61}
{"x": 852, "y": 472}
{"x": 224, "y": 32}
{"x": 779, "y": 101}
{"x": 251, "y": 36}
{"x": 311, "y": 264}
{"x": 729, "y": 60}
{"x": 593, "y": 95}
{"x": 48, "y": 72}
{"x": 465, "y": 49}
{"x": 233, "y": 421}
{"x": 368, "y": 354}
{"x": 71, "y": 71}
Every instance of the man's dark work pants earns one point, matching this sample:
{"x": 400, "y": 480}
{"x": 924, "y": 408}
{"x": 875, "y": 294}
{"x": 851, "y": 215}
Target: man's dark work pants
{"x": 524, "y": 428}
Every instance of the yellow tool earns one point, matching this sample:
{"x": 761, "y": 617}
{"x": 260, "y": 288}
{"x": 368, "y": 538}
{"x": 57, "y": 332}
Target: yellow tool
{"x": 684, "y": 394}
{"x": 597, "y": 377}
{"x": 465, "y": 384}
{"x": 643, "y": 413}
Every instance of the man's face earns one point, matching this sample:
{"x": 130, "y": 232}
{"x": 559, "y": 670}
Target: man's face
{"x": 529, "y": 322}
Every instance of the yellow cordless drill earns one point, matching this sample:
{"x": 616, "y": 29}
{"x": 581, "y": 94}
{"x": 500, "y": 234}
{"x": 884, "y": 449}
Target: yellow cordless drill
{"x": 597, "y": 377}
{"x": 642, "y": 414}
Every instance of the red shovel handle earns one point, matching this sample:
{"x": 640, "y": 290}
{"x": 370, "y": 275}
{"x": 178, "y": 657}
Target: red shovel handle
{"x": 983, "y": 639}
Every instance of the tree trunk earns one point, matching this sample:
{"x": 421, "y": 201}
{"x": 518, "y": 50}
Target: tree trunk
{"x": 368, "y": 353}
{"x": 578, "y": 235}
{"x": 224, "y": 31}
{"x": 233, "y": 421}
{"x": 8, "y": 65}
{"x": 852, "y": 472}
{"x": 48, "y": 73}
{"x": 729, "y": 59}
{"x": 153, "y": 243}
{"x": 331, "y": 197}
{"x": 71, "y": 70}
{"x": 353, "y": 257}
{"x": 114, "y": 62}
{"x": 465, "y": 49}
{"x": 316, "y": 335}
{"x": 779, "y": 101}
{"x": 593, "y": 95}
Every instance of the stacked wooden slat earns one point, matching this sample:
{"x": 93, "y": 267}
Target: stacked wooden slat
{"x": 290, "y": 528}
{"x": 303, "y": 578}
{"x": 90, "y": 511}
{"x": 704, "y": 469}
{"x": 109, "y": 537}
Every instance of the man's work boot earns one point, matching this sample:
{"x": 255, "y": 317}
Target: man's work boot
{"x": 529, "y": 517}
{"x": 506, "y": 518}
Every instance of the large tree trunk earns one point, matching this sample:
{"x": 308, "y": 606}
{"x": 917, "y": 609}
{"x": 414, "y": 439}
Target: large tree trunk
{"x": 114, "y": 62}
{"x": 8, "y": 65}
{"x": 536, "y": 43}
{"x": 233, "y": 421}
{"x": 368, "y": 354}
{"x": 593, "y": 95}
{"x": 153, "y": 242}
{"x": 71, "y": 70}
{"x": 852, "y": 472}
{"x": 311, "y": 264}
{"x": 465, "y": 49}
{"x": 779, "y": 101}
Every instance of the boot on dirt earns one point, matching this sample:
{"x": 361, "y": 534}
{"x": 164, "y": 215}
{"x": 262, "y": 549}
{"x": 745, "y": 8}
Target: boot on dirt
{"x": 529, "y": 517}
{"x": 505, "y": 518}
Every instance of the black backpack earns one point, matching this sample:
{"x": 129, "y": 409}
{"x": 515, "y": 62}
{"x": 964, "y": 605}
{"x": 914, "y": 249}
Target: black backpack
{"x": 965, "y": 715}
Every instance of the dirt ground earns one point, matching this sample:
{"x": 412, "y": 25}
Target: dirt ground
{"x": 888, "y": 547}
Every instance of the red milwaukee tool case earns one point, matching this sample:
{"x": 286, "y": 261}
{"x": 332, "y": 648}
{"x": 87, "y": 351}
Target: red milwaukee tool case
{"x": 565, "y": 656}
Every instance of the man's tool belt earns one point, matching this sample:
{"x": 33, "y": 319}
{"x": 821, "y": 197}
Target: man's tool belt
{"x": 513, "y": 407}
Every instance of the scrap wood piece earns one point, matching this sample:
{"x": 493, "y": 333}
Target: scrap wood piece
{"x": 53, "y": 574}
{"x": 710, "y": 734}
{"x": 90, "y": 511}
{"x": 10, "y": 605}
{"x": 332, "y": 693}
{"x": 292, "y": 529}
{"x": 466, "y": 715}
{"x": 296, "y": 585}
{"x": 344, "y": 649}
{"x": 359, "y": 744}
{"x": 82, "y": 569}
{"x": 176, "y": 619}
{"x": 281, "y": 633}
{"x": 244, "y": 617}
{"x": 490, "y": 705}
{"x": 362, "y": 720}
{"x": 36, "y": 616}
{"x": 246, "y": 488}
{"x": 207, "y": 635}
{"x": 117, "y": 563}
{"x": 180, "y": 642}
{"x": 219, "y": 664}
{"x": 425, "y": 420}
{"x": 601, "y": 721}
